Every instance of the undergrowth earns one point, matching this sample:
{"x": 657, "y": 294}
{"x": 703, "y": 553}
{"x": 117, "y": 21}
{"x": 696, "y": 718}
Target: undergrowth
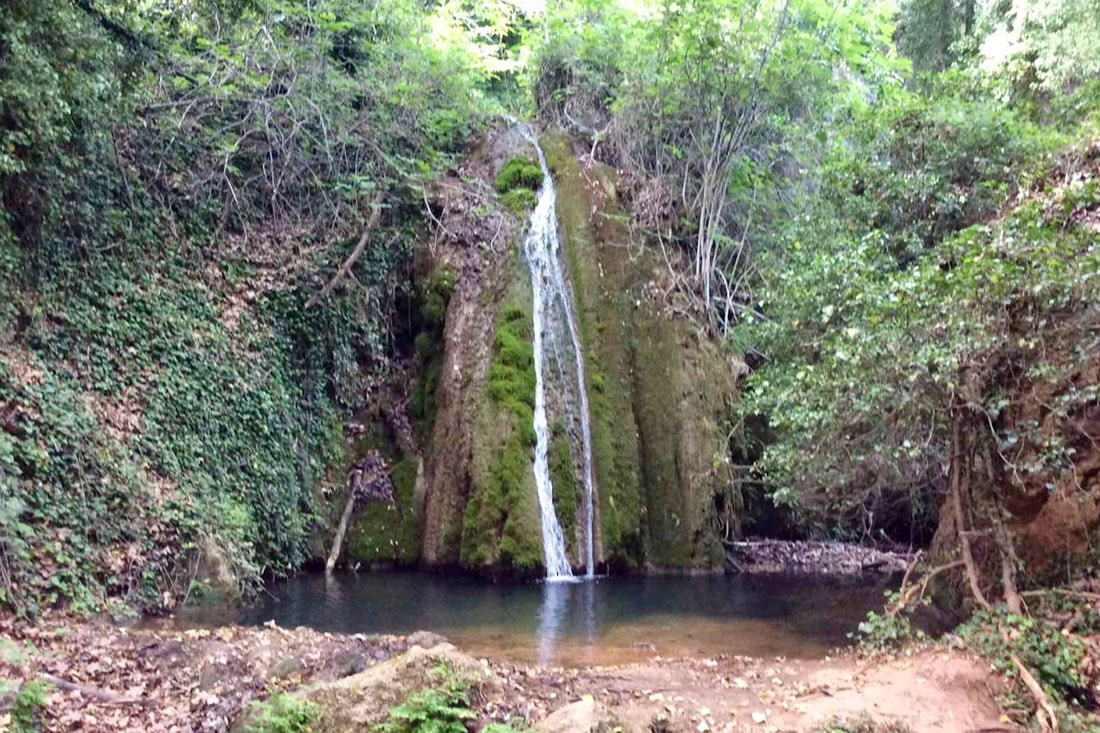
{"x": 1059, "y": 662}
{"x": 285, "y": 714}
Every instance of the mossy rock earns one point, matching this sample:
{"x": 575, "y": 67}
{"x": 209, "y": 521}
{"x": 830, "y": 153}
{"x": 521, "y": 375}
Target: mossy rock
{"x": 501, "y": 526}
{"x": 519, "y": 173}
{"x": 437, "y": 293}
{"x": 568, "y": 491}
{"x": 604, "y": 313}
{"x": 657, "y": 392}
{"x": 385, "y": 532}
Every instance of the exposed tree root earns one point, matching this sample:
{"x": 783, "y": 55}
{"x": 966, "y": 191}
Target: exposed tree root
{"x": 1048, "y": 719}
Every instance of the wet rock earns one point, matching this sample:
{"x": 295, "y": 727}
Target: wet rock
{"x": 583, "y": 716}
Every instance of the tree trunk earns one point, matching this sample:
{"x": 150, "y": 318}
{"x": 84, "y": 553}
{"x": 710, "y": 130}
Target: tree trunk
{"x": 341, "y": 529}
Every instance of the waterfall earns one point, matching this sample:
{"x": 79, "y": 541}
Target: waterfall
{"x": 553, "y": 304}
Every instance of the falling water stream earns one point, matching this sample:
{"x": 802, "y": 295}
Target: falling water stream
{"x": 552, "y": 301}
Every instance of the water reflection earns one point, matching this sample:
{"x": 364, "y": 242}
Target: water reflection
{"x": 567, "y": 610}
{"x": 600, "y": 621}
{"x": 551, "y": 619}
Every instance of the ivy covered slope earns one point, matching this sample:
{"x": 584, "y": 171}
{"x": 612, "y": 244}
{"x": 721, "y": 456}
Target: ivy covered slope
{"x": 178, "y": 354}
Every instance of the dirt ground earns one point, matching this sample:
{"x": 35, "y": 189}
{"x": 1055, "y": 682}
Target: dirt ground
{"x": 934, "y": 690}
{"x": 110, "y": 678}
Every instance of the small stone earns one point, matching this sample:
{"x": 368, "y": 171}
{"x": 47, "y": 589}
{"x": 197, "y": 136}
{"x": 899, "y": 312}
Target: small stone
{"x": 759, "y": 718}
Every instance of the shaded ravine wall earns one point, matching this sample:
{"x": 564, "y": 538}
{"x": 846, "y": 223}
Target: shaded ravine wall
{"x": 658, "y": 389}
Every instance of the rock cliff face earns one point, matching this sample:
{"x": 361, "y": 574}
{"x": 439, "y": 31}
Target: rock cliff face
{"x": 659, "y": 391}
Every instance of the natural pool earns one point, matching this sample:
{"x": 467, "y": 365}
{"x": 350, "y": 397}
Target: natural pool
{"x": 608, "y": 620}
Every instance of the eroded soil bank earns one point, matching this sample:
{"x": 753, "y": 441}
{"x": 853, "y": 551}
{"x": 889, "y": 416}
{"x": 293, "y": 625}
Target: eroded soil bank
{"x": 110, "y": 678}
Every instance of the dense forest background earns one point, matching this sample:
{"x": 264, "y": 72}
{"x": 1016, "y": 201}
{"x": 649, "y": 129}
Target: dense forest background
{"x": 890, "y": 212}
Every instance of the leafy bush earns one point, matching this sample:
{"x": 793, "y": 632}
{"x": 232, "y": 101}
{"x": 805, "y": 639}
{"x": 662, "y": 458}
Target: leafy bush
{"x": 881, "y": 631}
{"x": 285, "y": 713}
{"x": 519, "y": 200}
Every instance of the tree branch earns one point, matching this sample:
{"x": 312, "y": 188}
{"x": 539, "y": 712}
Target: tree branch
{"x": 345, "y": 268}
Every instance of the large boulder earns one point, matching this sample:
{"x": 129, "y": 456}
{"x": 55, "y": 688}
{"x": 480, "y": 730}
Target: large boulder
{"x": 356, "y": 703}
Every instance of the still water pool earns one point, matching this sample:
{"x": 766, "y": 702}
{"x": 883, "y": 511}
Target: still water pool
{"x": 608, "y": 620}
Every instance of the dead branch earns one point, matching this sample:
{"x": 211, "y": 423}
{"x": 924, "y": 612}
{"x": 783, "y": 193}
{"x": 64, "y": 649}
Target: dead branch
{"x": 376, "y": 210}
{"x": 338, "y": 540}
{"x": 93, "y": 693}
{"x": 917, "y": 591}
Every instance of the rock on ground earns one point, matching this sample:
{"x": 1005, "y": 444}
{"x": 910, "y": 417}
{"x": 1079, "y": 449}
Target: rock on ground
{"x": 356, "y": 703}
{"x": 583, "y": 716}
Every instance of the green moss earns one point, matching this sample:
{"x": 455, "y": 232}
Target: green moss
{"x": 566, "y": 487}
{"x": 519, "y": 200}
{"x": 423, "y": 395}
{"x": 437, "y": 294}
{"x": 605, "y": 311}
{"x": 385, "y": 532}
{"x": 500, "y": 528}
{"x": 519, "y": 173}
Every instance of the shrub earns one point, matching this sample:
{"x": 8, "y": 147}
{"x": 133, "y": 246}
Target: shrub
{"x": 285, "y": 714}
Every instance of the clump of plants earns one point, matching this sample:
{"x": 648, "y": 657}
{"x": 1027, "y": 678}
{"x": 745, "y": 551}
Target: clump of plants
{"x": 442, "y": 708}
{"x": 1021, "y": 647}
{"x": 519, "y": 172}
{"x": 285, "y": 714}
{"x": 27, "y": 707}
{"x": 891, "y": 628}
{"x": 517, "y": 182}
{"x": 863, "y": 723}
{"x": 518, "y": 200}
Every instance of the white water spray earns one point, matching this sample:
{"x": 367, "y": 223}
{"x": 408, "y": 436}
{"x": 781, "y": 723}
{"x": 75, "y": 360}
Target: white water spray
{"x": 552, "y": 296}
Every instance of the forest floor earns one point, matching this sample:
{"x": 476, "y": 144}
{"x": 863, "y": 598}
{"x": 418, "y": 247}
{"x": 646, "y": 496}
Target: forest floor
{"x": 106, "y": 678}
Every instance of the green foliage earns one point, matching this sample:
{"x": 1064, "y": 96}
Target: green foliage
{"x": 285, "y": 713}
{"x": 29, "y": 706}
{"x": 882, "y": 631}
{"x": 889, "y": 288}
{"x": 176, "y": 183}
{"x": 444, "y": 708}
{"x": 519, "y": 173}
{"x": 519, "y": 200}
{"x": 1056, "y": 660}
